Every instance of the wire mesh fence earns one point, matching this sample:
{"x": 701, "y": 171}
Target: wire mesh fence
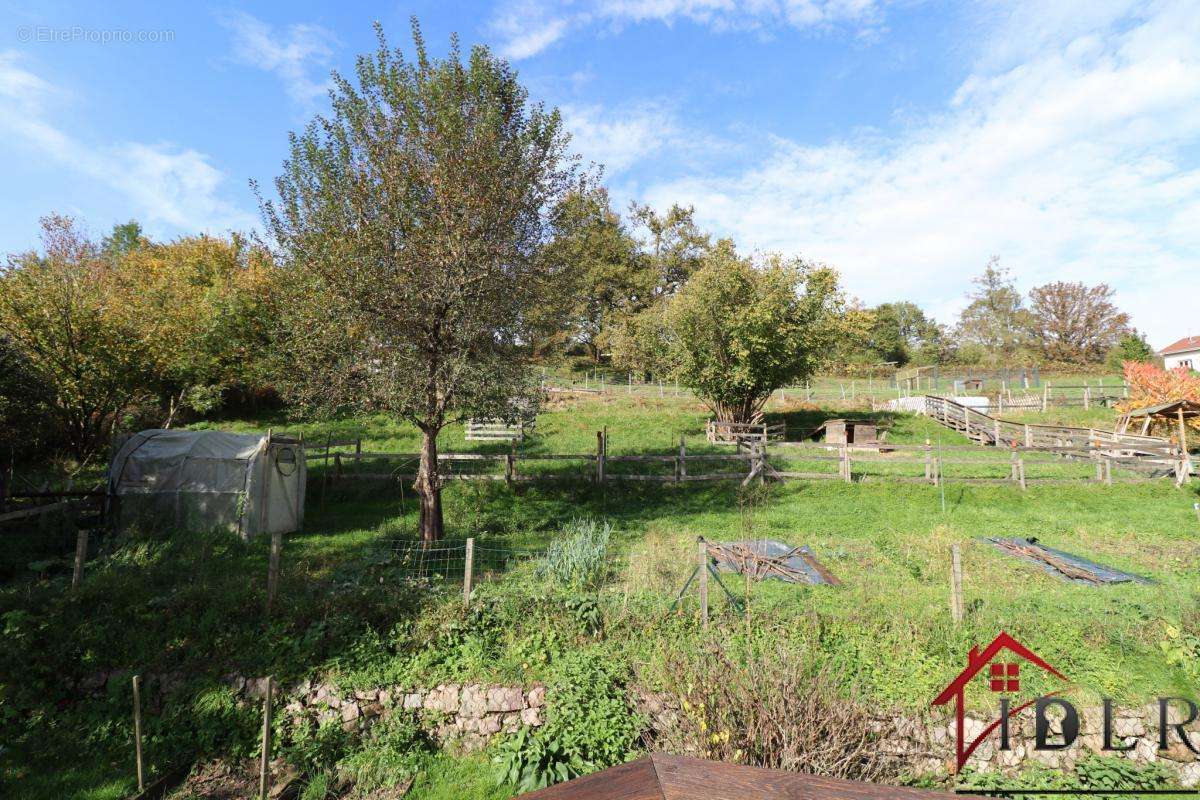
{"x": 46, "y": 540}
{"x": 463, "y": 560}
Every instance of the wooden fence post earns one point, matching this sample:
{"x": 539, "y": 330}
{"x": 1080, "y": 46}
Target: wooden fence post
{"x": 601, "y": 454}
{"x": 682, "y": 457}
{"x": 702, "y": 552}
{"x": 325, "y": 467}
{"x": 1012, "y": 471}
{"x": 1028, "y": 436}
{"x": 1108, "y": 472}
{"x": 956, "y": 595}
{"x": 847, "y": 464}
{"x": 137, "y": 732}
{"x": 81, "y": 545}
{"x": 1021, "y": 472}
{"x": 937, "y": 471}
{"x": 468, "y": 570}
{"x": 264, "y": 783}
{"x": 273, "y": 568}
{"x": 928, "y": 460}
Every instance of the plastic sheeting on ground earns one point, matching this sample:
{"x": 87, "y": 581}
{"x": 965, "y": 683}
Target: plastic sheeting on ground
{"x": 1061, "y": 564}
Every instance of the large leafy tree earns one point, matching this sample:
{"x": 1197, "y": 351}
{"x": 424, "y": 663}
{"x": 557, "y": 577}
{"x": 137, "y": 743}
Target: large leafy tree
{"x": 63, "y": 312}
{"x": 1130, "y": 347}
{"x": 674, "y": 247}
{"x": 1074, "y": 322}
{"x": 203, "y": 306}
{"x": 603, "y": 273}
{"x": 411, "y": 221}
{"x": 739, "y": 329}
{"x": 996, "y": 319}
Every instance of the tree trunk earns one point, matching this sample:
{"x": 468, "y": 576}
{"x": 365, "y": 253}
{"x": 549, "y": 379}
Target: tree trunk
{"x": 429, "y": 487}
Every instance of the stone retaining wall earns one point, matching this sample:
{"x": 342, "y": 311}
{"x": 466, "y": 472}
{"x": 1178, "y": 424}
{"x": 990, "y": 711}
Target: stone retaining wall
{"x": 928, "y": 745}
{"x": 925, "y": 746}
{"x": 463, "y": 715}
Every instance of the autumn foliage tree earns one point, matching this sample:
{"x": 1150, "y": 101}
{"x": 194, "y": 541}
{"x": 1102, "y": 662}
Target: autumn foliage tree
{"x": 1076, "y": 323}
{"x": 411, "y": 222}
{"x": 63, "y": 315}
{"x": 1151, "y": 385}
{"x": 203, "y": 307}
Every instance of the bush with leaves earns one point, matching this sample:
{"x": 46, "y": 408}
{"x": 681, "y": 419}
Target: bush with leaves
{"x": 589, "y": 726}
{"x": 1093, "y": 773}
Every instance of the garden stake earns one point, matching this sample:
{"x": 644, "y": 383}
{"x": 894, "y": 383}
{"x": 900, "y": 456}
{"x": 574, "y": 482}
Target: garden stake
{"x": 137, "y": 731}
{"x": 263, "y": 782}
{"x": 468, "y": 570}
{"x": 956, "y": 596}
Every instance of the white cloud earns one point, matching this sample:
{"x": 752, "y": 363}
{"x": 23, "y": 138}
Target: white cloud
{"x": 1077, "y": 162}
{"x": 619, "y": 139}
{"x": 527, "y": 27}
{"x": 165, "y": 184}
{"x": 293, "y": 55}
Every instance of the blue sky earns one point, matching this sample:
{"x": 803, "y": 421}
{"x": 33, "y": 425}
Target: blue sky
{"x": 902, "y": 142}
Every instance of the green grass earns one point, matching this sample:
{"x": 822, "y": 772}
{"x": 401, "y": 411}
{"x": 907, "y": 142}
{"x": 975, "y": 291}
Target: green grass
{"x": 193, "y": 604}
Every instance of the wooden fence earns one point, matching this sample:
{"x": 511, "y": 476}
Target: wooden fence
{"x": 719, "y": 432}
{"x": 915, "y": 463}
{"x": 495, "y": 430}
{"x": 1146, "y": 453}
{"x": 598, "y": 466}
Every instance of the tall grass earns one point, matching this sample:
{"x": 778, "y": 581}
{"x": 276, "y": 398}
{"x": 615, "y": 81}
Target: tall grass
{"x": 579, "y": 557}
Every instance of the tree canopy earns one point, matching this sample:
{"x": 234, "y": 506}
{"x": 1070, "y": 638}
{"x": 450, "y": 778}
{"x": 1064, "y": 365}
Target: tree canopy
{"x": 740, "y": 328}
{"x": 411, "y": 222}
{"x": 996, "y": 319}
{"x": 1074, "y": 322}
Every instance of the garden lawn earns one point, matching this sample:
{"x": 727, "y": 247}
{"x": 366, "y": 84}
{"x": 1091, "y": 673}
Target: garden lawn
{"x": 350, "y": 611}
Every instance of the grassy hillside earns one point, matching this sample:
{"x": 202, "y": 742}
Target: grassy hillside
{"x": 350, "y": 609}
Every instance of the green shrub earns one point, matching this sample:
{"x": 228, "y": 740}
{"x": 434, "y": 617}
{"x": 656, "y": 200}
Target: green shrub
{"x": 589, "y": 726}
{"x": 579, "y": 558}
{"x": 1092, "y": 773}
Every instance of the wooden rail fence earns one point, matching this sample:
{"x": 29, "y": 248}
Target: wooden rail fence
{"x": 912, "y": 463}
{"x": 1145, "y": 453}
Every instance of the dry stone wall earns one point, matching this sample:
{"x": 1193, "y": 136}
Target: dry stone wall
{"x": 927, "y": 746}
{"x": 466, "y": 716}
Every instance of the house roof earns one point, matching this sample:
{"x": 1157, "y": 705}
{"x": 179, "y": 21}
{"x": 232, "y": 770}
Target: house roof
{"x": 1184, "y": 345}
{"x": 663, "y": 777}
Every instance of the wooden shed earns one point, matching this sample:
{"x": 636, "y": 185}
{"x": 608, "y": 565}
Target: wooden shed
{"x": 1175, "y": 414}
{"x": 850, "y": 431}
{"x": 663, "y": 777}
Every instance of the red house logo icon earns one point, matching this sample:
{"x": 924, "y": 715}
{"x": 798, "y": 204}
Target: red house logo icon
{"x": 1002, "y": 661}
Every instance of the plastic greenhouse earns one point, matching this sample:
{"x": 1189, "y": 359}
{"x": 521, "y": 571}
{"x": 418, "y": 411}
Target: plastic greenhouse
{"x": 197, "y": 480}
